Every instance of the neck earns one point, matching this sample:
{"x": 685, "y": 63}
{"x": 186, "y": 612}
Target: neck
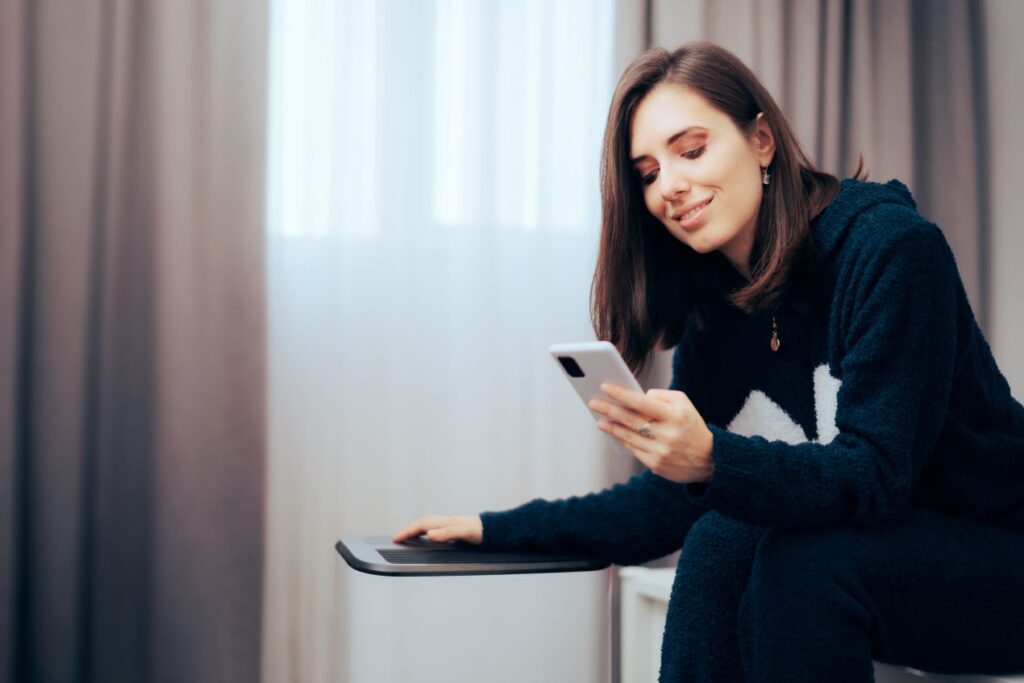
{"x": 741, "y": 267}
{"x": 738, "y": 252}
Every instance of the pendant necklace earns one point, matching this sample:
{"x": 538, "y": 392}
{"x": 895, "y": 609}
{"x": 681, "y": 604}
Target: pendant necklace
{"x": 775, "y": 343}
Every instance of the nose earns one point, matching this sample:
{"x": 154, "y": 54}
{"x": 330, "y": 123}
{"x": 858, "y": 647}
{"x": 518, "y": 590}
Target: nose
{"x": 672, "y": 182}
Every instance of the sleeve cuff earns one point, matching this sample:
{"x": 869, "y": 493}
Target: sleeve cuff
{"x": 492, "y": 530}
{"x": 513, "y": 529}
{"x": 734, "y": 489}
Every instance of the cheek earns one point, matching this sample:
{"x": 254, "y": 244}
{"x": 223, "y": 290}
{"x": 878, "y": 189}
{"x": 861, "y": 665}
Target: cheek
{"x": 742, "y": 184}
{"x": 749, "y": 195}
{"x": 655, "y": 204}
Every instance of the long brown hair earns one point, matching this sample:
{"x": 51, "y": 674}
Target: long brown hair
{"x": 647, "y": 283}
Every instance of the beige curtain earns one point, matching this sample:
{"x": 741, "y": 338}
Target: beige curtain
{"x": 900, "y": 81}
{"x": 131, "y": 340}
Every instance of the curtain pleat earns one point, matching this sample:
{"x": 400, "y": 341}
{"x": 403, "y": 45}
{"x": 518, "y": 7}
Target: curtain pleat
{"x": 12, "y": 186}
{"x": 134, "y": 326}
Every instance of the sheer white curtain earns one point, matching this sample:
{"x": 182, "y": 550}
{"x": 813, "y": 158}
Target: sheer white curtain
{"x": 433, "y": 217}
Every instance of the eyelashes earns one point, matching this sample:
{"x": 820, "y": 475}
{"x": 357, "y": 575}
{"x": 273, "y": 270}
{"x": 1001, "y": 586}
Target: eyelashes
{"x": 695, "y": 153}
{"x": 692, "y": 155}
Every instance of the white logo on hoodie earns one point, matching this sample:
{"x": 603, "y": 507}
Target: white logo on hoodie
{"x": 761, "y": 416}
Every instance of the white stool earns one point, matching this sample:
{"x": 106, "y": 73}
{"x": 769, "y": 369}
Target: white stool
{"x": 644, "y": 600}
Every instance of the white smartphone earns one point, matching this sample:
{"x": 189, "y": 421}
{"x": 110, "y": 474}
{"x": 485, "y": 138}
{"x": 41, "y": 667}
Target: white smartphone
{"x": 586, "y": 365}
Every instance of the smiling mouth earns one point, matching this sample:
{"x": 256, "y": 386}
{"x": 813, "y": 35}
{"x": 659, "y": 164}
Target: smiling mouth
{"x": 693, "y": 213}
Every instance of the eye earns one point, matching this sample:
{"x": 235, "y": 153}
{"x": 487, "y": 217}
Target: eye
{"x": 695, "y": 153}
{"x": 649, "y": 178}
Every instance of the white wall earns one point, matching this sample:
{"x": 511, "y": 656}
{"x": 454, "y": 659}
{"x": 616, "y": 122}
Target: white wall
{"x": 1005, "y": 58}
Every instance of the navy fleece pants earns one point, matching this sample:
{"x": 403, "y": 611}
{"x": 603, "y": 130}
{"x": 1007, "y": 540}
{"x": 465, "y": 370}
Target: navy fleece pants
{"x": 927, "y": 590}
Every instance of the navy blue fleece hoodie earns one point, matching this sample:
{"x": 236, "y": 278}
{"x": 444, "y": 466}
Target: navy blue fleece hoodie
{"x": 883, "y": 395}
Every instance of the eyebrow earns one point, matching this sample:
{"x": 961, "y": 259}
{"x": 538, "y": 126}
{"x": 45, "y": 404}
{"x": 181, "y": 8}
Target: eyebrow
{"x": 673, "y": 138}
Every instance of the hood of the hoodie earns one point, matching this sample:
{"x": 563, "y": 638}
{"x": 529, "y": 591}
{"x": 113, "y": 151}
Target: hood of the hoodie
{"x": 854, "y": 198}
{"x": 829, "y": 228}
{"x": 827, "y": 231}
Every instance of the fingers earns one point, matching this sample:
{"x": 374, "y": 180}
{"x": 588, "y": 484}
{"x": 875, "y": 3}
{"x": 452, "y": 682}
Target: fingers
{"x": 668, "y": 401}
{"x": 423, "y": 525}
{"x": 666, "y": 395}
{"x": 629, "y": 437}
{"x": 441, "y": 528}
{"x": 449, "y": 533}
{"x": 631, "y": 440}
{"x": 619, "y": 414}
{"x": 652, "y": 407}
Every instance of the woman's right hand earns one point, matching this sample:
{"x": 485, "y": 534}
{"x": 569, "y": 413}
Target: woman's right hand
{"x": 438, "y": 528}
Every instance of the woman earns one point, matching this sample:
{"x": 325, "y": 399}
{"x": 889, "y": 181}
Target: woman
{"x": 838, "y": 456}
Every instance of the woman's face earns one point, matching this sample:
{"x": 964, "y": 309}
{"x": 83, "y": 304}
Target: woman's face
{"x": 699, "y": 174}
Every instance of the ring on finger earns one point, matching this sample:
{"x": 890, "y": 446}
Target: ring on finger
{"x": 645, "y": 430}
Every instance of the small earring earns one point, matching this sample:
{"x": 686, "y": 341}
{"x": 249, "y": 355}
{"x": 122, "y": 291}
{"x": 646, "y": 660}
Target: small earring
{"x": 765, "y": 178}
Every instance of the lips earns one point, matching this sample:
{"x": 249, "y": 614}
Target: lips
{"x": 691, "y": 211}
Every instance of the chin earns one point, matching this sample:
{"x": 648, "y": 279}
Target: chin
{"x": 702, "y": 246}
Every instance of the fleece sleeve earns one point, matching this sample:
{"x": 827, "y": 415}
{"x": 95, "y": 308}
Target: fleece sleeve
{"x": 898, "y": 332}
{"x": 639, "y": 520}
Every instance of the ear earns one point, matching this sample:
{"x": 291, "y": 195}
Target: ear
{"x": 763, "y": 141}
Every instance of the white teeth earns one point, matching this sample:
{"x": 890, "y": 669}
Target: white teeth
{"x": 693, "y": 212}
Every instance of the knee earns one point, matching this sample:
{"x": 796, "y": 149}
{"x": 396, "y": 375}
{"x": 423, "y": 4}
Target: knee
{"x": 794, "y": 556}
{"x": 805, "y": 598}
{"x": 717, "y": 553}
{"x": 803, "y": 572}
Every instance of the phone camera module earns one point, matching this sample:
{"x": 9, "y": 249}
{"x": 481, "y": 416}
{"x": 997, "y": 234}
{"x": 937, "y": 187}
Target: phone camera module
{"x": 571, "y": 366}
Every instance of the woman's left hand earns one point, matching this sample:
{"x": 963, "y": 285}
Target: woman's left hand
{"x": 680, "y": 444}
